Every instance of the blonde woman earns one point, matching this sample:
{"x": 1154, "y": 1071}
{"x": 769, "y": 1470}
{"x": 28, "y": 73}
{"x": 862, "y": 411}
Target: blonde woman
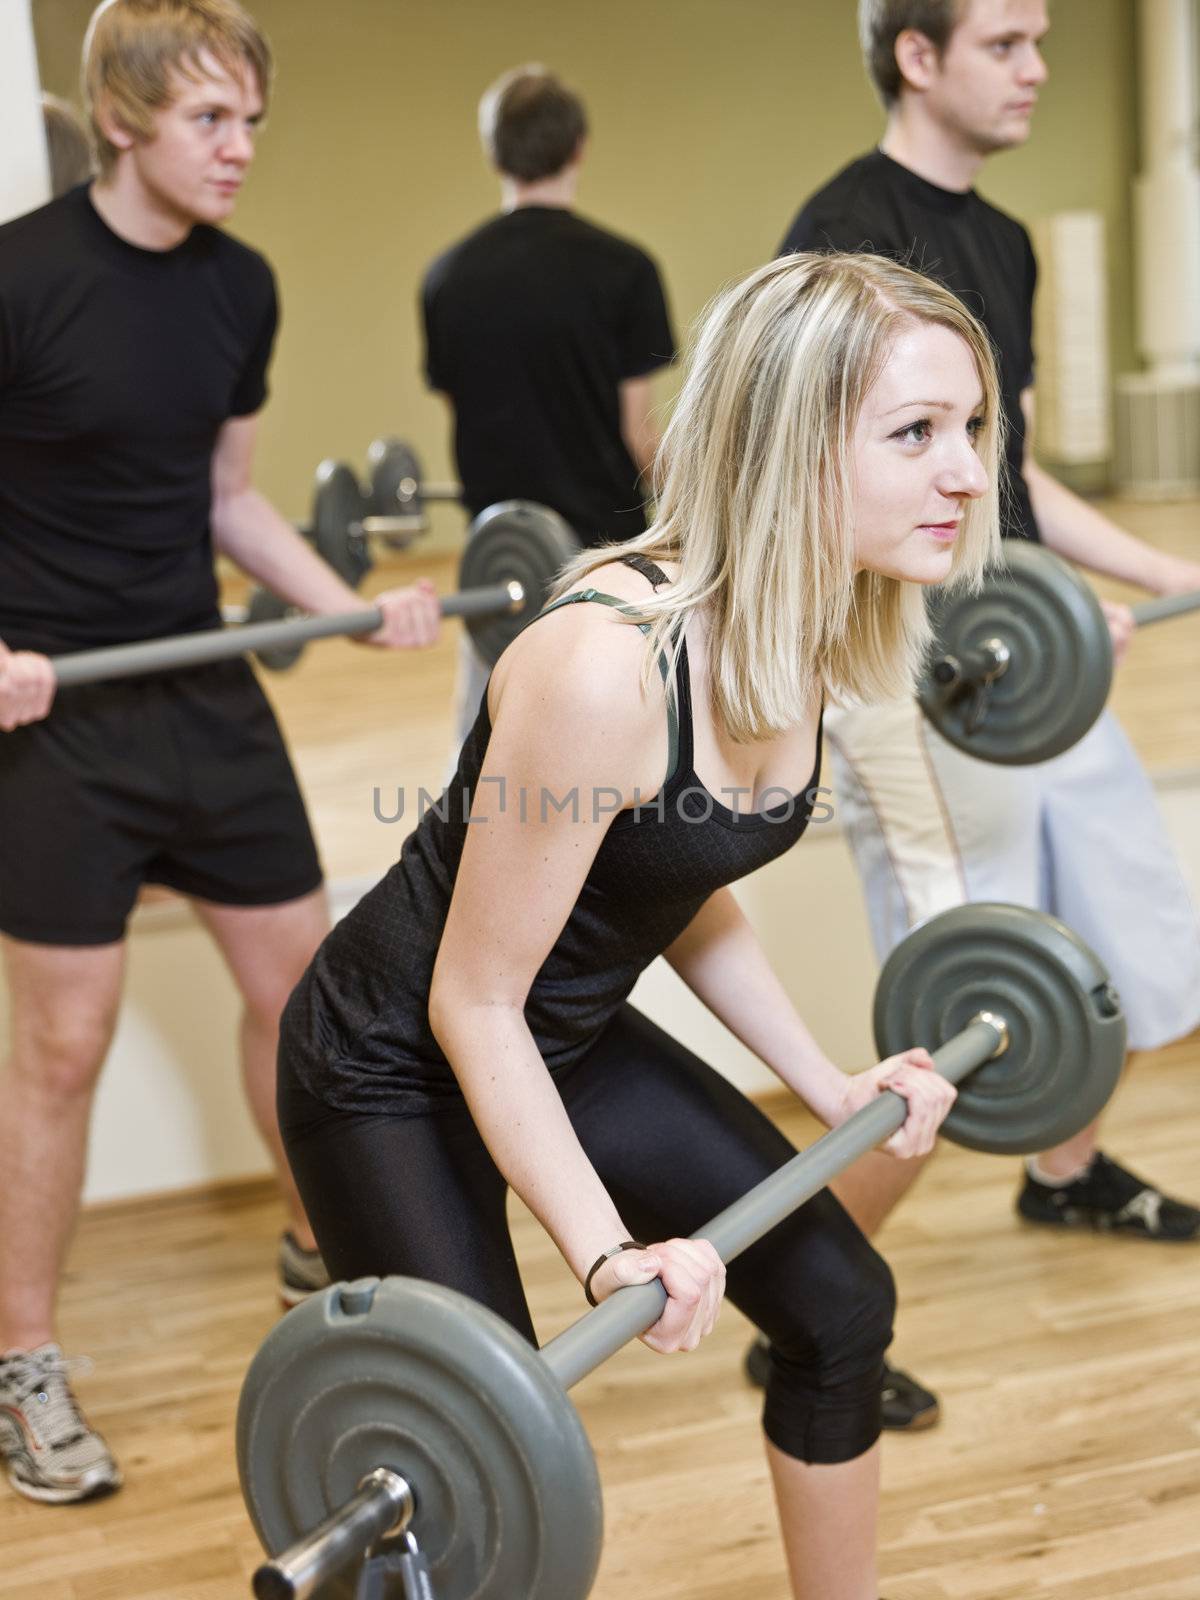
{"x": 652, "y": 738}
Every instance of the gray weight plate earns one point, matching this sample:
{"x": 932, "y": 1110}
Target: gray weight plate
{"x": 1066, "y": 1028}
{"x": 339, "y": 506}
{"x": 396, "y": 479}
{"x": 514, "y": 539}
{"x": 1060, "y": 671}
{"x": 414, "y": 1377}
{"x": 267, "y": 607}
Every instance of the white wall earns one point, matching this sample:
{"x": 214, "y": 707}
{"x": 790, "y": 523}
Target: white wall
{"x": 25, "y": 170}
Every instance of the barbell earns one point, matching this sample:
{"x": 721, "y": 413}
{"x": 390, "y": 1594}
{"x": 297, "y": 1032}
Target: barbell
{"x": 512, "y": 557}
{"x": 1022, "y": 668}
{"x": 384, "y": 1417}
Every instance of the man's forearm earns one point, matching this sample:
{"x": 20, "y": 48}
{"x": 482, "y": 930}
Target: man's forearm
{"x": 721, "y": 960}
{"x": 639, "y": 430}
{"x": 644, "y": 450}
{"x": 247, "y": 528}
{"x": 1073, "y": 529}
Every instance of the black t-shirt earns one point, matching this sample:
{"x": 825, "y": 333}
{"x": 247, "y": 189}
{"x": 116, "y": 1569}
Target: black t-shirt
{"x": 976, "y": 250}
{"x": 531, "y": 324}
{"x": 118, "y": 367}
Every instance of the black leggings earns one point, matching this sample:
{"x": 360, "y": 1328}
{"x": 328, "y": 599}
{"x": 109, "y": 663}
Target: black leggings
{"x": 674, "y": 1143}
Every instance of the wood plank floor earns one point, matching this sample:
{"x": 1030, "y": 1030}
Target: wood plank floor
{"x": 1067, "y": 1466}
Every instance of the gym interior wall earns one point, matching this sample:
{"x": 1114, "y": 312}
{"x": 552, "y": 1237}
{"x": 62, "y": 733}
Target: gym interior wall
{"x": 712, "y": 119}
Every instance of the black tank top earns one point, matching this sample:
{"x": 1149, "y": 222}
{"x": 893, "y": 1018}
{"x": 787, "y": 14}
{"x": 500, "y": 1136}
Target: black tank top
{"x": 356, "y": 1030}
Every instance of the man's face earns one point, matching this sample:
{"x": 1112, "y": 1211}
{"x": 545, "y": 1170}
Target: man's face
{"x": 197, "y": 157}
{"x": 986, "y": 85}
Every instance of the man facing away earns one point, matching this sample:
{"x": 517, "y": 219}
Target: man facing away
{"x": 135, "y": 338}
{"x": 543, "y": 330}
{"x": 1080, "y": 836}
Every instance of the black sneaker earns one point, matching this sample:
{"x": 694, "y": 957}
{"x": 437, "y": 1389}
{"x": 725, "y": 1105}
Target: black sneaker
{"x": 301, "y": 1272}
{"x": 1109, "y": 1199}
{"x": 906, "y": 1404}
{"x": 757, "y": 1364}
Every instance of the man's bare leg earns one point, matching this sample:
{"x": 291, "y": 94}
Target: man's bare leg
{"x": 267, "y": 949}
{"x": 64, "y": 1002}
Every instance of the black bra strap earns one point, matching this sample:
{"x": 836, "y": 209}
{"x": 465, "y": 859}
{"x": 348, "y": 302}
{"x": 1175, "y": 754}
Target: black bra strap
{"x": 653, "y": 573}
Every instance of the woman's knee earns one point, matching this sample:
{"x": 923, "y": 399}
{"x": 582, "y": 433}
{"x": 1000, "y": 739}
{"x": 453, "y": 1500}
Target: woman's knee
{"x": 822, "y": 1400}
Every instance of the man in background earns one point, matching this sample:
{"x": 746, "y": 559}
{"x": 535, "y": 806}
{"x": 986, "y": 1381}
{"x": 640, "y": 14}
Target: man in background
{"x": 543, "y": 330}
{"x": 135, "y": 344}
{"x": 1080, "y": 836}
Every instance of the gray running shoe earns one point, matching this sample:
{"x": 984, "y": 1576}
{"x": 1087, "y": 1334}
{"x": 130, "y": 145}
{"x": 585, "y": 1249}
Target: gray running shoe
{"x": 51, "y": 1452}
{"x": 301, "y": 1272}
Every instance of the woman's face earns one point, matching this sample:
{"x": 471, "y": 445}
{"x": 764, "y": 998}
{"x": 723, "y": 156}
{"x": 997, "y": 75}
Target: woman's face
{"x": 915, "y": 462}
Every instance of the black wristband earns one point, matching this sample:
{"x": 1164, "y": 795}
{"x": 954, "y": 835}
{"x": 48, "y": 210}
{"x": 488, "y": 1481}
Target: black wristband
{"x": 599, "y": 1262}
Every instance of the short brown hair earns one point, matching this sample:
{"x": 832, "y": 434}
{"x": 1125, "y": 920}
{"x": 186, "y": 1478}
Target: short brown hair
{"x": 531, "y": 124}
{"x": 880, "y": 24}
{"x": 133, "y": 46}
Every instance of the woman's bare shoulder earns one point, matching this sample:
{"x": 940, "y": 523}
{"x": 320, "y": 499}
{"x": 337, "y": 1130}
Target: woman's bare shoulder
{"x": 583, "y": 660}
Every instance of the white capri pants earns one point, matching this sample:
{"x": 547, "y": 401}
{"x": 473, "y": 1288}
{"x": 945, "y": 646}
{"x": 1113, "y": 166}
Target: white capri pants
{"x": 1080, "y": 837}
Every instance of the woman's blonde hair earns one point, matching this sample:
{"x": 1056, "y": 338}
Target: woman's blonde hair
{"x": 756, "y": 492}
{"x": 133, "y": 46}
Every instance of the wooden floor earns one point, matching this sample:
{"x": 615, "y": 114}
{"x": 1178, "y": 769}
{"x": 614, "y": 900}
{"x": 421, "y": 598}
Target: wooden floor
{"x": 1068, "y": 1463}
{"x": 1067, "y": 1466}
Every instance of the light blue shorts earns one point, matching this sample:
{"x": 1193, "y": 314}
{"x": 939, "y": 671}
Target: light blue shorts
{"x": 1081, "y": 837}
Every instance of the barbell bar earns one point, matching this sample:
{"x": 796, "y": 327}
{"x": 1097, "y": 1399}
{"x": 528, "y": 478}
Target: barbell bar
{"x": 513, "y": 554}
{"x": 516, "y": 540}
{"x": 1165, "y": 607}
{"x": 421, "y": 1381}
{"x": 1022, "y": 668}
{"x": 221, "y": 644}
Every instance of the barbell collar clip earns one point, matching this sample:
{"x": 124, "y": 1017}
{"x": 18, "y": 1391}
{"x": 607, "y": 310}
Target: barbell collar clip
{"x": 994, "y": 1020}
{"x": 381, "y": 1509}
{"x": 975, "y": 668}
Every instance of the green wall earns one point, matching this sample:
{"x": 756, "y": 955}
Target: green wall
{"x": 712, "y": 120}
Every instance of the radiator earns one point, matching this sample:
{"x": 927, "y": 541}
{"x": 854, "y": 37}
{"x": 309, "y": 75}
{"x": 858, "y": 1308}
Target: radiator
{"x": 1158, "y": 437}
{"x": 1073, "y": 423}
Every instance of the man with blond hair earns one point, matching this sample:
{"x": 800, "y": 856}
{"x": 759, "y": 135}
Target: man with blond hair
{"x": 1081, "y": 836}
{"x": 135, "y": 338}
{"x": 543, "y": 331}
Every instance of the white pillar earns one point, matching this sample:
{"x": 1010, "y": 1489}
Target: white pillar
{"x": 1167, "y": 192}
{"x": 25, "y": 170}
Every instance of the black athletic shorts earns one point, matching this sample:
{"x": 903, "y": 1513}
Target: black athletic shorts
{"x": 181, "y": 778}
